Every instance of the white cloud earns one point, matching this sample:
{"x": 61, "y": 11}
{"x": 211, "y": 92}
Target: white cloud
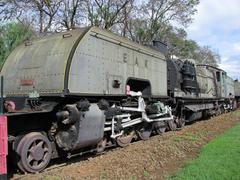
{"x": 222, "y": 14}
{"x": 217, "y": 24}
{"x": 231, "y": 69}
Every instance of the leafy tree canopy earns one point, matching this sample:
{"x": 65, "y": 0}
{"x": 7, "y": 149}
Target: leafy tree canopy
{"x": 11, "y": 35}
{"x": 140, "y": 21}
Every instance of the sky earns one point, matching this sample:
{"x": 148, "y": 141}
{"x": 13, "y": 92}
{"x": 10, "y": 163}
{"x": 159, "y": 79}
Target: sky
{"x": 217, "y": 24}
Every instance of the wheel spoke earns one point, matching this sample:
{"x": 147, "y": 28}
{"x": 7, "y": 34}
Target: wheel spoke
{"x": 34, "y": 144}
{"x": 31, "y": 150}
{"x": 40, "y": 144}
{"x": 32, "y": 147}
{"x": 45, "y": 149}
{"x": 45, "y": 157}
{"x": 29, "y": 158}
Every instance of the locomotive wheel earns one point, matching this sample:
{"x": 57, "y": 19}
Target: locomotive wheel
{"x": 160, "y": 127}
{"x": 34, "y": 151}
{"x": 172, "y": 125}
{"x": 125, "y": 139}
{"x": 145, "y": 132}
{"x": 101, "y": 145}
{"x": 219, "y": 112}
{"x": 180, "y": 122}
{"x": 222, "y": 110}
{"x": 161, "y": 130}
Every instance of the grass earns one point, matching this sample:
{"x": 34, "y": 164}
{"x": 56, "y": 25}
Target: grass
{"x": 146, "y": 173}
{"x": 219, "y": 159}
{"x": 103, "y": 175}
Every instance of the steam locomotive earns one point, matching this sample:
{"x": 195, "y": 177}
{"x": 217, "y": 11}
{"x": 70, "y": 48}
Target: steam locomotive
{"x": 89, "y": 89}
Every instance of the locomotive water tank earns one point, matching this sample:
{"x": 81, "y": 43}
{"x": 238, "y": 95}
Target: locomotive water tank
{"x": 86, "y": 61}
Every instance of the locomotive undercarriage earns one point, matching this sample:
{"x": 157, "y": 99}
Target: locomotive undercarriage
{"x": 83, "y": 126}
{"x": 135, "y": 121}
{"x": 191, "y": 109}
{"x": 72, "y": 127}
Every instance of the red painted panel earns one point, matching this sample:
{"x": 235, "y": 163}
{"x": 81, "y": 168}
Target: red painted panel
{"x": 3, "y": 144}
{"x": 26, "y": 82}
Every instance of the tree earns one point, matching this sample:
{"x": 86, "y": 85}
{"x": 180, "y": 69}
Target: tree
{"x": 155, "y": 15}
{"x": 126, "y": 17}
{"x": 208, "y": 56}
{"x": 11, "y": 35}
{"x": 106, "y": 13}
{"x": 47, "y": 8}
{"x": 141, "y": 21}
{"x": 183, "y": 48}
{"x": 70, "y": 12}
{"x": 178, "y": 44}
{"x": 39, "y": 13}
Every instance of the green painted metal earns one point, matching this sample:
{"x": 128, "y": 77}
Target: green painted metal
{"x": 39, "y": 65}
{"x": 82, "y": 61}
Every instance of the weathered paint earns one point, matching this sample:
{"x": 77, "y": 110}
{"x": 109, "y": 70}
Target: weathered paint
{"x": 206, "y": 82}
{"x": 210, "y": 73}
{"x": 229, "y": 86}
{"x": 237, "y": 88}
{"x": 83, "y": 61}
{"x": 102, "y": 57}
{"x": 3, "y": 145}
{"x": 39, "y": 65}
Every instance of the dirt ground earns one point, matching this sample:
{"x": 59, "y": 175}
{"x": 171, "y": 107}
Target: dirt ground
{"x": 156, "y": 158}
